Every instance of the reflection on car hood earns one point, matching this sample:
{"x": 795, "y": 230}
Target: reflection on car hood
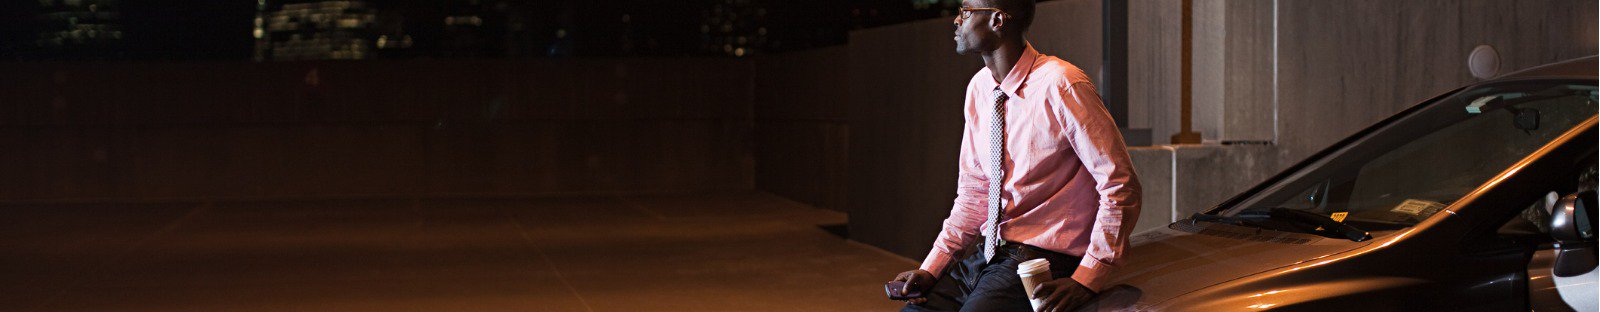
{"x": 1167, "y": 263}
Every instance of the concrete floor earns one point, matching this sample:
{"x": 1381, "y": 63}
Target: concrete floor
{"x": 730, "y": 252}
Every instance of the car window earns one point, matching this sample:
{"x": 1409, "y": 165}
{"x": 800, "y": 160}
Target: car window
{"x": 1413, "y": 168}
{"x": 1531, "y": 226}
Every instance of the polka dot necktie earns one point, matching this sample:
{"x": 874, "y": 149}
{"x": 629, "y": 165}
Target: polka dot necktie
{"x": 997, "y": 140}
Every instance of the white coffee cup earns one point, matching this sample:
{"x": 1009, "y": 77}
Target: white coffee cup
{"x": 1034, "y": 272}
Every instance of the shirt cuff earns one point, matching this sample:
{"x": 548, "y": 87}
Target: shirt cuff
{"x": 1091, "y": 273}
{"x": 935, "y": 262}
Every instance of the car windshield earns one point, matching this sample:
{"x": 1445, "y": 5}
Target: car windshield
{"x": 1405, "y": 172}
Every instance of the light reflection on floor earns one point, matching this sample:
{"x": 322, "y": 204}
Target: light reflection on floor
{"x": 727, "y": 252}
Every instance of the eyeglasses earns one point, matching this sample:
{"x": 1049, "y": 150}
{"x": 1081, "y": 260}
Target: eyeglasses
{"x": 966, "y": 13}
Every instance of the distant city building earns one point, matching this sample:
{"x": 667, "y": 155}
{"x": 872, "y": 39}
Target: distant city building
{"x": 319, "y": 30}
{"x": 522, "y": 29}
{"x": 944, "y": 7}
{"x": 868, "y": 14}
{"x": 287, "y": 30}
{"x": 393, "y": 40}
{"x": 80, "y": 29}
{"x": 735, "y": 28}
{"x": 465, "y": 32}
{"x": 263, "y": 45}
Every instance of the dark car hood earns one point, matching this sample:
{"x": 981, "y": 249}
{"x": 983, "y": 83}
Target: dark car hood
{"x": 1185, "y": 257}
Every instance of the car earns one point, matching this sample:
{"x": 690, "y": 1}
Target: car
{"x": 1478, "y": 199}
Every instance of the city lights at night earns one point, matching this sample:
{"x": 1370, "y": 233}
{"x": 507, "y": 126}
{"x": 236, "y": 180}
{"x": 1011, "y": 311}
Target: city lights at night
{"x": 277, "y": 30}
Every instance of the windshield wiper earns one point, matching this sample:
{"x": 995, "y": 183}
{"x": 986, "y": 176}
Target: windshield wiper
{"x": 1252, "y": 218}
{"x": 1348, "y": 232}
{"x": 1242, "y": 218}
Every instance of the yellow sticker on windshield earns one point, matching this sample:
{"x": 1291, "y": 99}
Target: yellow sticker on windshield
{"x": 1337, "y": 217}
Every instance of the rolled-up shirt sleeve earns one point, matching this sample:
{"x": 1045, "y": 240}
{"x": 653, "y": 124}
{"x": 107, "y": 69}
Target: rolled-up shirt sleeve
{"x": 1095, "y": 138}
{"x": 972, "y": 192}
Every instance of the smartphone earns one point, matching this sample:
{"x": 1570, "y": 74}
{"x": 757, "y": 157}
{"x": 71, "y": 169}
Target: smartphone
{"x": 893, "y": 290}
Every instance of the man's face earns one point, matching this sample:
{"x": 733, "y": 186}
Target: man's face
{"x": 974, "y": 32}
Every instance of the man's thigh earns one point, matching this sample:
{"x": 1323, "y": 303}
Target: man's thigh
{"x": 998, "y": 289}
{"x": 952, "y": 287}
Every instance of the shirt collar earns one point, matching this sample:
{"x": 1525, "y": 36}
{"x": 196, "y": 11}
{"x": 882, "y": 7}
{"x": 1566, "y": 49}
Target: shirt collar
{"x": 1019, "y": 72}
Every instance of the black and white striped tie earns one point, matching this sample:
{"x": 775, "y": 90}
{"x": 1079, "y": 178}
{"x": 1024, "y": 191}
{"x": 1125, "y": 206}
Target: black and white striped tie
{"x": 997, "y": 140}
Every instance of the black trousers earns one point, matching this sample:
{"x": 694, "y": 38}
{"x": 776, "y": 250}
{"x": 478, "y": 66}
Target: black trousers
{"x": 978, "y": 284}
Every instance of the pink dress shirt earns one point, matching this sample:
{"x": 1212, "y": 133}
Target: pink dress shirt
{"x": 1069, "y": 184}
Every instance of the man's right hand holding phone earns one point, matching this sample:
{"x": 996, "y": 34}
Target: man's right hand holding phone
{"x": 916, "y": 281}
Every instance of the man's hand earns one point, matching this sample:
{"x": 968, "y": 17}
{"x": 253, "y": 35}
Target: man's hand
{"x": 916, "y": 281}
{"x": 1062, "y": 294}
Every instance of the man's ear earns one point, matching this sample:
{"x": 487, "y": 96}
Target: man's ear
{"x": 999, "y": 20}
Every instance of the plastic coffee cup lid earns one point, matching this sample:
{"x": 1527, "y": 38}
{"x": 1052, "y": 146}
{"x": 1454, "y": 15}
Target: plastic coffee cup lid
{"x": 1034, "y": 266}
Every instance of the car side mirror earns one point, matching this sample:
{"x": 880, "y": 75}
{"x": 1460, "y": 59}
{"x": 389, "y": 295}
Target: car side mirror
{"x": 1571, "y": 219}
{"x": 1572, "y": 225}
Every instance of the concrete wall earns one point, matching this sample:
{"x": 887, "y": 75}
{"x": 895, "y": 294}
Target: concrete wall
{"x": 1180, "y": 180}
{"x": 143, "y": 131}
{"x": 1329, "y": 67}
{"x": 1154, "y": 66}
{"x": 905, "y": 94}
{"x": 1232, "y": 85}
{"x": 1343, "y": 65}
{"x": 1154, "y": 165}
{"x": 801, "y": 129}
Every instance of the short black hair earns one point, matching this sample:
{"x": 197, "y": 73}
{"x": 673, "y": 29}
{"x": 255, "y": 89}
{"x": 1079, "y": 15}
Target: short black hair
{"x": 1021, "y": 12}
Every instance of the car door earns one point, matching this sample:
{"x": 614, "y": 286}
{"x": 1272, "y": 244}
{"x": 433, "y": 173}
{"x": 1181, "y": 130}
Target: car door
{"x": 1548, "y": 291}
{"x": 1562, "y": 274}
{"x": 1549, "y": 286}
